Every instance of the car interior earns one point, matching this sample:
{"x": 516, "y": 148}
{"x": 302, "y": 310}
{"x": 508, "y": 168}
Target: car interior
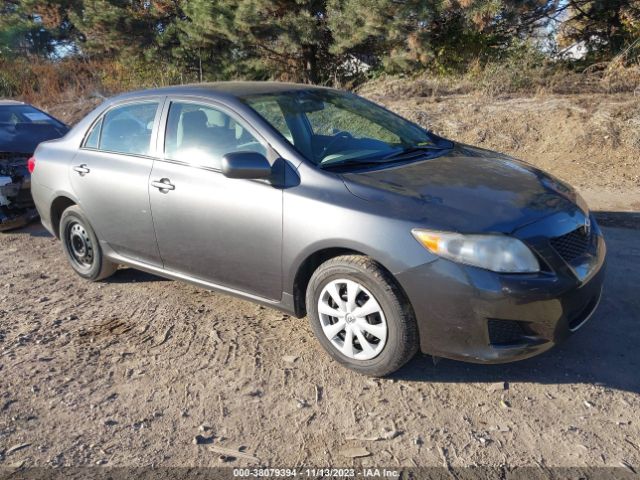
{"x": 324, "y": 132}
{"x": 128, "y": 129}
{"x": 201, "y": 135}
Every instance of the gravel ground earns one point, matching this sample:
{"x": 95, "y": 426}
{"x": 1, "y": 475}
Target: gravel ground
{"x": 129, "y": 371}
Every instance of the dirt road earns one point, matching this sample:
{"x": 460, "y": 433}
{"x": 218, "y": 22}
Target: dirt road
{"x": 129, "y": 371}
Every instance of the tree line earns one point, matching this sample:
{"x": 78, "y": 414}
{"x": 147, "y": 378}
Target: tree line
{"x": 316, "y": 41}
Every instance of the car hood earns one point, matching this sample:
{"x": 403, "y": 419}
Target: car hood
{"x": 465, "y": 189}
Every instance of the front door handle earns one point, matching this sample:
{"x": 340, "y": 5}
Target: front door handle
{"x": 164, "y": 185}
{"x": 81, "y": 169}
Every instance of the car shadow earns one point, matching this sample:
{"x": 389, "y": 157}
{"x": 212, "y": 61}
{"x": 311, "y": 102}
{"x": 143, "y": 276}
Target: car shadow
{"x": 605, "y": 351}
{"x": 131, "y": 275}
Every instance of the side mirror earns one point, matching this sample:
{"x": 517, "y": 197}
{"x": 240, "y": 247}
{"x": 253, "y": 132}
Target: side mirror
{"x": 251, "y": 165}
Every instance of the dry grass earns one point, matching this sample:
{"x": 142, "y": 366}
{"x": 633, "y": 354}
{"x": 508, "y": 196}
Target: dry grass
{"x": 35, "y": 81}
{"x": 70, "y": 88}
{"x": 500, "y": 80}
{"x": 53, "y": 83}
{"x": 69, "y": 81}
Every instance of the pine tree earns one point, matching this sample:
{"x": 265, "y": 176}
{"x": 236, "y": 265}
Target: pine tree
{"x": 605, "y": 27}
{"x": 439, "y": 34}
{"x": 285, "y": 39}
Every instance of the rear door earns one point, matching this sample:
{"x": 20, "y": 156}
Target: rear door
{"x": 110, "y": 177}
{"x": 220, "y": 230}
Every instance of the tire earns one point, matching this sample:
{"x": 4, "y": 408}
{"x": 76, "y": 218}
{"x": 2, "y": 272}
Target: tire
{"x": 386, "y": 352}
{"x": 81, "y": 246}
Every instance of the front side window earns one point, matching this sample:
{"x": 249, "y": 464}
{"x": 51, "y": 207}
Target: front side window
{"x": 202, "y": 135}
{"x": 272, "y": 112}
{"x": 127, "y": 129}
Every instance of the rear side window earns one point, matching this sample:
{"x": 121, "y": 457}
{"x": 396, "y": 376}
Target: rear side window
{"x": 202, "y": 135}
{"x": 93, "y": 139}
{"x": 126, "y": 129}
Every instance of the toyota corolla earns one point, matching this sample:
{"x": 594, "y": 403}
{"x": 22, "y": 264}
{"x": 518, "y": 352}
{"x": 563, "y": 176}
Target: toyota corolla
{"x": 389, "y": 238}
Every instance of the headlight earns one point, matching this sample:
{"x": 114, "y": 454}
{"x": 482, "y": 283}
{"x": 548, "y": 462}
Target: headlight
{"x": 498, "y": 253}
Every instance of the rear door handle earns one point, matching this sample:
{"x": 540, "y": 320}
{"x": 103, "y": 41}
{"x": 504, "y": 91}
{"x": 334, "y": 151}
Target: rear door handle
{"x": 81, "y": 169}
{"x": 163, "y": 184}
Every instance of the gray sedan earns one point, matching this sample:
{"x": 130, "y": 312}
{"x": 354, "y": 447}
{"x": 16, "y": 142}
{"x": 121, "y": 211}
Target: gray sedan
{"x": 320, "y": 203}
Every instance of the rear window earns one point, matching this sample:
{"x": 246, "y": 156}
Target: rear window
{"x": 17, "y": 114}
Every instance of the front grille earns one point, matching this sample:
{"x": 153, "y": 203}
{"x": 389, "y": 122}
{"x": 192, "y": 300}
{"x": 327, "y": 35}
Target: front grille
{"x": 572, "y": 245}
{"x": 506, "y": 332}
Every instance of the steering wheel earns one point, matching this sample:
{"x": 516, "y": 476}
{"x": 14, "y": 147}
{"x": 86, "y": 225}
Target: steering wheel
{"x": 340, "y": 135}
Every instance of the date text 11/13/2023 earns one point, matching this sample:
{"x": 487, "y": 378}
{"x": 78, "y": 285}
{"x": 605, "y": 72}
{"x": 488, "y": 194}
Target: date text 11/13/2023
{"x": 316, "y": 472}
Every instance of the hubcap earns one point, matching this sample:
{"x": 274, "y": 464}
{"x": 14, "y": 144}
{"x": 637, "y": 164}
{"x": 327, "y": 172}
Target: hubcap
{"x": 352, "y": 319}
{"x": 80, "y": 245}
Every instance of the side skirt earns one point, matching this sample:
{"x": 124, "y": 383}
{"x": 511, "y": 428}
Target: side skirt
{"x": 286, "y": 304}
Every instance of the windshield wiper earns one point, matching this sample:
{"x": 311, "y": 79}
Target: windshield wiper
{"x": 350, "y": 163}
{"x": 406, "y": 154}
{"x": 414, "y": 151}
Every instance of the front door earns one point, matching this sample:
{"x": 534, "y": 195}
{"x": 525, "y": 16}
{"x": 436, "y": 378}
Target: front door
{"x": 110, "y": 176}
{"x": 220, "y": 230}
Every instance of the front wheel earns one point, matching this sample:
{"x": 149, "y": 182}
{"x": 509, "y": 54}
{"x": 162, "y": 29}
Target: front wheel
{"x": 81, "y": 246}
{"x": 360, "y": 315}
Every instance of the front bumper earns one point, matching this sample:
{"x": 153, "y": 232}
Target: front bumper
{"x": 475, "y": 315}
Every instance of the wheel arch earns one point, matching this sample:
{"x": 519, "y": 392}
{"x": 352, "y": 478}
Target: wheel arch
{"x": 310, "y": 264}
{"x": 306, "y": 269}
{"x": 59, "y": 205}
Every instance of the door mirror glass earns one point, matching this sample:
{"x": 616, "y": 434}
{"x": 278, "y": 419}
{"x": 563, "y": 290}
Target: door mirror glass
{"x": 249, "y": 165}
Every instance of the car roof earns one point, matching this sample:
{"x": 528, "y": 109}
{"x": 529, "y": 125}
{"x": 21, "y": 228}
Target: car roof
{"x": 4, "y": 102}
{"x": 233, "y": 89}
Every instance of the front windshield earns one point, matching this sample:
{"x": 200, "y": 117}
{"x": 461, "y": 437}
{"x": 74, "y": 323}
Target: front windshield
{"x": 330, "y": 127}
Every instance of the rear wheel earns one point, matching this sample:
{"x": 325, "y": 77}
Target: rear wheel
{"x": 360, "y": 315}
{"x": 81, "y": 246}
